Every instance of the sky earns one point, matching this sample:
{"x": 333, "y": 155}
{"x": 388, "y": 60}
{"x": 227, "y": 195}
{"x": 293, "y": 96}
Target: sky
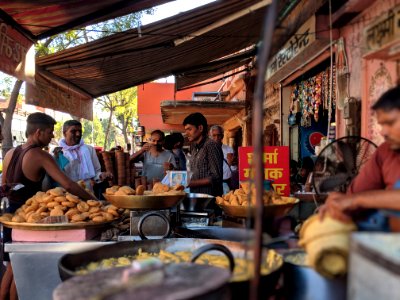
{"x": 173, "y": 8}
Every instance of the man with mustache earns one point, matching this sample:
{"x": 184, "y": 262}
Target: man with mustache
{"x": 78, "y": 160}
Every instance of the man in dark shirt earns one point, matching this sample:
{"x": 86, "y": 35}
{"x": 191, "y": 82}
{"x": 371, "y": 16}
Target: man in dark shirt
{"x": 206, "y": 157}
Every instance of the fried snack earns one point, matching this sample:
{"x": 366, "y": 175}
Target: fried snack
{"x": 56, "y": 212}
{"x": 234, "y": 200}
{"x": 63, "y": 208}
{"x": 140, "y": 190}
{"x": 52, "y": 204}
{"x": 68, "y": 204}
{"x": 108, "y": 216}
{"x": 58, "y": 191}
{"x": 99, "y": 219}
{"x": 120, "y": 193}
{"x": 72, "y": 198}
{"x": 83, "y": 206}
{"x": 71, "y": 212}
{"x": 18, "y": 219}
{"x": 60, "y": 199}
{"x": 127, "y": 190}
{"x": 93, "y": 203}
{"x": 219, "y": 200}
{"x": 112, "y": 190}
{"x": 159, "y": 188}
{"x": 33, "y": 218}
{"x": 94, "y": 209}
{"x": 78, "y": 218}
{"x": 6, "y": 217}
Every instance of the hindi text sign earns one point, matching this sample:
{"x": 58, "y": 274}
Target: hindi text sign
{"x": 276, "y": 167}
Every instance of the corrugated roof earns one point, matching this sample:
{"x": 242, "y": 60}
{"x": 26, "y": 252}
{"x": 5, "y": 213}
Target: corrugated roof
{"x": 127, "y": 59}
{"x": 39, "y": 19}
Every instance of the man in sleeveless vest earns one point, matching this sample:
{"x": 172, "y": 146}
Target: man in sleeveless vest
{"x": 27, "y": 165}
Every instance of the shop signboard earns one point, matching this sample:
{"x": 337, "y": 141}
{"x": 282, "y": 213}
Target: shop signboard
{"x": 47, "y": 93}
{"x": 384, "y": 30}
{"x": 276, "y": 167}
{"x": 303, "y": 38}
{"x": 17, "y": 53}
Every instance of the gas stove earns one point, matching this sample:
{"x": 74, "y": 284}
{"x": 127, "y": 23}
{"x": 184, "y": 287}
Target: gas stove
{"x": 197, "y": 218}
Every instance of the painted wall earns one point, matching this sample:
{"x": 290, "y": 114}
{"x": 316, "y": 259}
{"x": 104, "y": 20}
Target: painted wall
{"x": 150, "y": 96}
{"x": 369, "y": 78}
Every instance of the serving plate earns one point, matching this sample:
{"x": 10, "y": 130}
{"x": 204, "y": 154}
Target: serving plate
{"x": 143, "y": 202}
{"x": 271, "y": 210}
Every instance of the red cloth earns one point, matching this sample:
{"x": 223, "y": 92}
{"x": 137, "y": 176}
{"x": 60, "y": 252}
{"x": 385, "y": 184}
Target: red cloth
{"x": 380, "y": 172}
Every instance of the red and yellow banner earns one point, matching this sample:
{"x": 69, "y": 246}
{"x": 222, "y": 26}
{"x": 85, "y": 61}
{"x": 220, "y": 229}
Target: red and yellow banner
{"x": 276, "y": 167}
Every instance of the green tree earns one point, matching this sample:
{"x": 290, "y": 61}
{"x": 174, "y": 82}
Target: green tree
{"x": 57, "y": 43}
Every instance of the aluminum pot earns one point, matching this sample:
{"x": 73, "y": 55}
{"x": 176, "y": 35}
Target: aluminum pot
{"x": 196, "y": 202}
{"x": 304, "y": 283}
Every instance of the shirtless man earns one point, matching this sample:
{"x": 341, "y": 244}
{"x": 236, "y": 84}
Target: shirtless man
{"x": 27, "y": 164}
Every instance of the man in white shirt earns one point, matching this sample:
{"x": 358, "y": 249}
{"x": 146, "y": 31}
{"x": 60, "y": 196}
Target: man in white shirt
{"x": 217, "y": 134}
{"x": 78, "y": 160}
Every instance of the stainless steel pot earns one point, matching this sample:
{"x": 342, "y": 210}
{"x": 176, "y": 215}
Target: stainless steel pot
{"x": 303, "y": 283}
{"x": 196, "y": 202}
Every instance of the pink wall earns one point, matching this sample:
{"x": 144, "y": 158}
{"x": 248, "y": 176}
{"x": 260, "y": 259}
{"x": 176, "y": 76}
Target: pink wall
{"x": 366, "y": 73}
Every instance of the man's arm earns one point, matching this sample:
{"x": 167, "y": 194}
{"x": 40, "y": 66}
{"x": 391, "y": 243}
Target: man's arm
{"x": 341, "y": 206}
{"x": 139, "y": 154}
{"x": 51, "y": 168}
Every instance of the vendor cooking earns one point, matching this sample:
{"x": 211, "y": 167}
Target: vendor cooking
{"x": 374, "y": 187}
{"x": 78, "y": 160}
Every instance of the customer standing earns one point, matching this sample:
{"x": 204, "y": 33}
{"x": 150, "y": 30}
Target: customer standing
{"x": 156, "y": 161}
{"x": 206, "y": 157}
{"x": 78, "y": 160}
{"x": 217, "y": 134}
{"x": 174, "y": 143}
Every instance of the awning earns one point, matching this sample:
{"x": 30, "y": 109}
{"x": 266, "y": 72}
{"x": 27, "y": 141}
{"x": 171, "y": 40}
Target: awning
{"x": 216, "y": 112}
{"x": 38, "y": 19}
{"x": 131, "y": 58}
{"x": 187, "y": 78}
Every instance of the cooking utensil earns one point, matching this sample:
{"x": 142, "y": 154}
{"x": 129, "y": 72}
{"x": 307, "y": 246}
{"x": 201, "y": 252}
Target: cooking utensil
{"x": 70, "y": 262}
{"x": 302, "y": 282}
{"x": 272, "y": 210}
{"x": 172, "y": 281}
{"x": 143, "y": 202}
{"x": 196, "y": 202}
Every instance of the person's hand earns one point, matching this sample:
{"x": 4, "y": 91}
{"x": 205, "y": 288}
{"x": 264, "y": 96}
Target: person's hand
{"x": 338, "y": 206}
{"x": 106, "y": 175}
{"x": 146, "y": 147}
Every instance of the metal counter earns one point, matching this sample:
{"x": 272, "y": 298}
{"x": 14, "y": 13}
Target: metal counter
{"x": 35, "y": 265}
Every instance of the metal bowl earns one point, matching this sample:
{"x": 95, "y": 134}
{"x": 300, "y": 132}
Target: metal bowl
{"x": 196, "y": 202}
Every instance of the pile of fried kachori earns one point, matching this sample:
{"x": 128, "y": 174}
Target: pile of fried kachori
{"x": 57, "y": 202}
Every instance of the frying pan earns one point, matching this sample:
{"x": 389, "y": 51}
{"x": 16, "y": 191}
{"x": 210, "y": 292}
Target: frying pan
{"x": 70, "y": 262}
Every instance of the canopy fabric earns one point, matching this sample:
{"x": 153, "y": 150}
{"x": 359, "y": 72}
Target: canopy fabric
{"x": 187, "y": 78}
{"x": 38, "y": 19}
{"x": 131, "y": 58}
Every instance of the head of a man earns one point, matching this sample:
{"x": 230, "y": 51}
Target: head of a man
{"x": 72, "y": 131}
{"x": 195, "y": 127}
{"x": 40, "y": 128}
{"x": 217, "y": 133}
{"x": 387, "y": 110}
{"x": 157, "y": 139}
